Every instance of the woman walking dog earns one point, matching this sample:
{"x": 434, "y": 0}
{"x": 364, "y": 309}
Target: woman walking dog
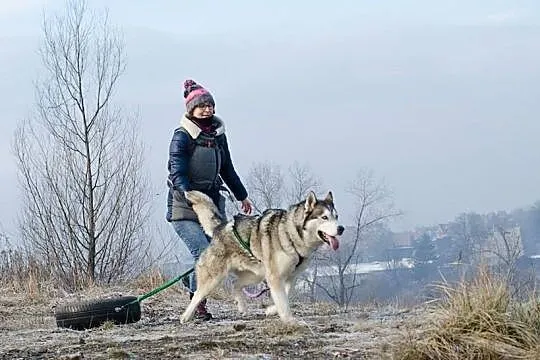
{"x": 199, "y": 159}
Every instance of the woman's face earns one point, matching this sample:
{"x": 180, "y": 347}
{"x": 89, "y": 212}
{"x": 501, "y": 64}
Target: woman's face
{"x": 203, "y": 111}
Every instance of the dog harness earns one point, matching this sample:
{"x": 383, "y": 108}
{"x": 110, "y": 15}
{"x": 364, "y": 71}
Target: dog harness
{"x": 244, "y": 244}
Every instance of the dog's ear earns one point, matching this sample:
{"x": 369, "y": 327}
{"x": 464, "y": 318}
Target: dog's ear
{"x": 310, "y": 202}
{"x": 329, "y": 198}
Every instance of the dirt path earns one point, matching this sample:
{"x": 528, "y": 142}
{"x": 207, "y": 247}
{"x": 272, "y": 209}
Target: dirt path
{"x": 28, "y": 331}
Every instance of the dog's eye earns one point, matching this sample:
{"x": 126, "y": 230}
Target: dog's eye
{"x": 324, "y": 217}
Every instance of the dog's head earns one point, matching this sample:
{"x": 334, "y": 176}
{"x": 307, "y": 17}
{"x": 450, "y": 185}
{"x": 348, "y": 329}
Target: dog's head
{"x": 321, "y": 220}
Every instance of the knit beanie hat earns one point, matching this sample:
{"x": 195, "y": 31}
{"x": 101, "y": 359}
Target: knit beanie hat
{"x": 195, "y": 95}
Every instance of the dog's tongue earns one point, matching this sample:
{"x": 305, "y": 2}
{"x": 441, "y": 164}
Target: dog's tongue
{"x": 334, "y": 243}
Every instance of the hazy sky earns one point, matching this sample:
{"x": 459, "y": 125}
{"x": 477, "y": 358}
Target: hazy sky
{"x": 442, "y": 100}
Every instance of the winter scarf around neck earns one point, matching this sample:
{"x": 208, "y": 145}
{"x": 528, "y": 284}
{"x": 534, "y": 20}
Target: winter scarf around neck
{"x": 206, "y": 125}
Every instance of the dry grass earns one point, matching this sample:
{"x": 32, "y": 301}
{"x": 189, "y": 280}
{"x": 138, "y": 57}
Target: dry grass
{"x": 150, "y": 280}
{"x": 478, "y": 320}
{"x": 23, "y": 274}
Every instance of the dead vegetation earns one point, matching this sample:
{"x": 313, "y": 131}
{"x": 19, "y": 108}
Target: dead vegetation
{"x": 21, "y": 273}
{"x": 28, "y": 329}
{"x": 478, "y": 319}
{"x": 482, "y": 318}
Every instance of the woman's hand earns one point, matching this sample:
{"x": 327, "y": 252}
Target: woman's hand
{"x": 247, "y": 207}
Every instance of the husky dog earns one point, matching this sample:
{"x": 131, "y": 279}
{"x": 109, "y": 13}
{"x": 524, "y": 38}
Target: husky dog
{"x": 281, "y": 243}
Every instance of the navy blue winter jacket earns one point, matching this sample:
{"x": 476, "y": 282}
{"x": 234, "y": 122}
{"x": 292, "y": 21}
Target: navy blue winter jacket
{"x": 197, "y": 161}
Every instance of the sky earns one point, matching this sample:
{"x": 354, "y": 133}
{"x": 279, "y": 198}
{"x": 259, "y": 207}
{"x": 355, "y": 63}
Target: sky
{"x": 441, "y": 100}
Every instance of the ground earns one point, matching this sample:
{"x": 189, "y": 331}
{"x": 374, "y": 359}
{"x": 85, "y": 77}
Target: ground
{"x": 28, "y": 330}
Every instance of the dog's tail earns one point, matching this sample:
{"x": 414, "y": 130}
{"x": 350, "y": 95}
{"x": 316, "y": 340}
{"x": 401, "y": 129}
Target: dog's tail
{"x": 207, "y": 212}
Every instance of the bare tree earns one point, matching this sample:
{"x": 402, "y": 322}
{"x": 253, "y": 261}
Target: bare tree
{"x": 80, "y": 161}
{"x": 468, "y": 232}
{"x": 373, "y": 207}
{"x": 269, "y": 187}
{"x": 504, "y": 248}
{"x": 301, "y": 181}
{"x": 266, "y": 185}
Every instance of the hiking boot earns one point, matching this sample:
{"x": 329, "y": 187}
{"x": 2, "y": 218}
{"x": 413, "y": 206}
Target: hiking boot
{"x": 201, "y": 312}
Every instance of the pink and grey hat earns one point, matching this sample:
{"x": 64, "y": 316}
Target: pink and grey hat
{"x": 196, "y": 95}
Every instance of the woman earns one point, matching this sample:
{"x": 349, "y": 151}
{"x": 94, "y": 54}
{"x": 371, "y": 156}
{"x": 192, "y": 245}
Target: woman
{"x": 199, "y": 159}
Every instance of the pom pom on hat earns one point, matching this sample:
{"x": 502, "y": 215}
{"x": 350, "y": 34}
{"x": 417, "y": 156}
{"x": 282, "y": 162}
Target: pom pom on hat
{"x": 195, "y": 94}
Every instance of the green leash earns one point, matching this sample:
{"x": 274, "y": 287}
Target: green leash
{"x": 244, "y": 244}
{"x": 156, "y": 290}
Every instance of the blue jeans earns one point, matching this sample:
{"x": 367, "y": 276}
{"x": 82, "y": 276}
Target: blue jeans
{"x": 192, "y": 234}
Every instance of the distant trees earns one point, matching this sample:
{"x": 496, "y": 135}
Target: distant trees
{"x": 424, "y": 256}
{"x": 301, "y": 180}
{"x": 378, "y": 243}
{"x": 272, "y": 187}
{"x": 468, "y": 233}
{"x": 424, "y": 250}
{"x": 529, "y": 223}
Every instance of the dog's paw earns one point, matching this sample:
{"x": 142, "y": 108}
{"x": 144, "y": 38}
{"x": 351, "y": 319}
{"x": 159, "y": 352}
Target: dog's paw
{"x": 242, "y": 309}
{"x": 184, "y": 319}
{"x": 271, "y": 310}
{"x": 290, "y": 321}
